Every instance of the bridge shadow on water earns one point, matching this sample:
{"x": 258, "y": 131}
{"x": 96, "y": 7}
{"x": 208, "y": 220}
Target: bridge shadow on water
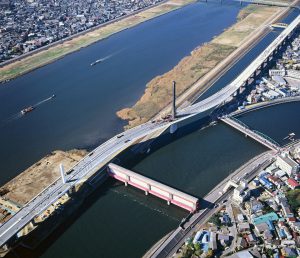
{"x": 72, "y": 216}
{"x": 127, "y": 159}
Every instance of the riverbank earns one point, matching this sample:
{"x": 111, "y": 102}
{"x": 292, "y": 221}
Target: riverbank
{"x": 29, "y": 183}
{"x": 58, "y": 51}
{"x": 195, "y": 73}
{"x": 211, "y": 202}
{"x": 22, "y": 189}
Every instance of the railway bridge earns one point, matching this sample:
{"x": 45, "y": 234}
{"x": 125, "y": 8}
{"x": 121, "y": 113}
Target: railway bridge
{"x": 92, "y": 165}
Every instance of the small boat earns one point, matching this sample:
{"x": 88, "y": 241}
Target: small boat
{"x": 27, "y": 110}
{"x": 96, "y": 62}
{"x": 53, "y": 96}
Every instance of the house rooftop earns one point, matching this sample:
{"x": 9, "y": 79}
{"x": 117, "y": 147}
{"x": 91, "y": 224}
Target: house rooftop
{"x": 272, "y": 216}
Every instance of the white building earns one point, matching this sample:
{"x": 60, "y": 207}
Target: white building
{"x": 241, "y": 193}
{"x": 273, "y": 72}
{"x": 279, "y": 80}
{"x": 286, "y": 164}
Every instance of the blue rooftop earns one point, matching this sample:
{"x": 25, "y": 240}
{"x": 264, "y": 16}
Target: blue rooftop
{"x": 272, "y": 216}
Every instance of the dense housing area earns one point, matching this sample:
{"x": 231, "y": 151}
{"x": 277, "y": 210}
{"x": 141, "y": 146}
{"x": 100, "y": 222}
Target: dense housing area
{"x": 28, "y": 25}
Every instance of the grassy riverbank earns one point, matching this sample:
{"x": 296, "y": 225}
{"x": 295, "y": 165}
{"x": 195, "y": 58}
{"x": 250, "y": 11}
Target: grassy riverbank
{"x": 193, "y": 67}
{"x": 53, "y": 53}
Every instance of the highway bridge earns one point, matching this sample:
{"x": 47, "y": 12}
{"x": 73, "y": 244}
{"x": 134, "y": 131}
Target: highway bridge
{"x": 98, "y": 158}
{"x": 256, "y": 135}
{"x": 241, "y": 81}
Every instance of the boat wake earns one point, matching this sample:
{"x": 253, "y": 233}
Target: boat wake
{"x": 132, "y": 197}
{"x": 43, "y": 101}
{"x": 10, "y": 119}
{"x": 100, "y": 60}
{"x": 24, "y": 111}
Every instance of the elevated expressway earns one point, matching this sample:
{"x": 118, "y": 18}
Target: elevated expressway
{"x": 97, "y": 159}
{"x": 86, "y": 168}
{"x": 241, "y": 81}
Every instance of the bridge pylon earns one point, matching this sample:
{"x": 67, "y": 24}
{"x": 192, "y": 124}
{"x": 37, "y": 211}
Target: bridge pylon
{"x": 174, "y": 101}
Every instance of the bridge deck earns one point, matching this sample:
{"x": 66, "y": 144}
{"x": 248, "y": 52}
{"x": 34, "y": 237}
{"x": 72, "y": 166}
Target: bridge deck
{"x": 222, "y": 95}
{"x": 259, "y": 137}
{"x": 108, "y": 150}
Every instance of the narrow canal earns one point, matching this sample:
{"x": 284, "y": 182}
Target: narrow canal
{"x": 121, "y": 222}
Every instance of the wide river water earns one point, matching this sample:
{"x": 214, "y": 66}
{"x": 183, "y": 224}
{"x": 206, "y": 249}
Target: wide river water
{"x": 119, "y": 221}
{"x": 83, "y": 113}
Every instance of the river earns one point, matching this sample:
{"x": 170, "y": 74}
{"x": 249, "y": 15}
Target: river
{"x": 119, "y": 221}
{"x": 87, "y": 97}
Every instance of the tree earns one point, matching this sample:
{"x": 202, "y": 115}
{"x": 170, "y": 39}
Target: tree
{"x": 267, "y": 209}
{"x": 269, "y": 252}
{"x": 186, "y": 253}
{"x": 293, "y": 197}
{"x": 215, "y": 220}
{"x": 197, "y": 246}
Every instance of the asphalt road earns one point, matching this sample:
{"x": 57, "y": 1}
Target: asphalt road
{"x": 177, "y": 239}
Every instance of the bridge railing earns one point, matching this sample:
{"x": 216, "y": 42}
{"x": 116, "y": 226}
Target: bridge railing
{"x": 239, "y": 122}
{"x": 266, "y": 137}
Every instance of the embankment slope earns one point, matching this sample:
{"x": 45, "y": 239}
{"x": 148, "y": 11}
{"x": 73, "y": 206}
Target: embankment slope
{"x": 202, "y": 60}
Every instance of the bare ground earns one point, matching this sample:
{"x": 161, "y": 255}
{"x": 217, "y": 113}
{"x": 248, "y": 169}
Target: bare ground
{"x": 33, "y": 180}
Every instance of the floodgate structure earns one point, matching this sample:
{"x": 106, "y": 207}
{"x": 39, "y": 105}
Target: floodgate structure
{"x": 94, "y": 165}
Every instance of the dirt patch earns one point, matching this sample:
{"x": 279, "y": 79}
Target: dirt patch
{"x": 33, "y": 180}
{"x": 249, "y": 18}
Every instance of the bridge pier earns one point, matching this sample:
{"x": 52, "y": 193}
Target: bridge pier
{"x": 148, "y": 189}
{"x": 173, "y": 128}
{"x": 270, "y": 58}
{"x": 127, "y": 180}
